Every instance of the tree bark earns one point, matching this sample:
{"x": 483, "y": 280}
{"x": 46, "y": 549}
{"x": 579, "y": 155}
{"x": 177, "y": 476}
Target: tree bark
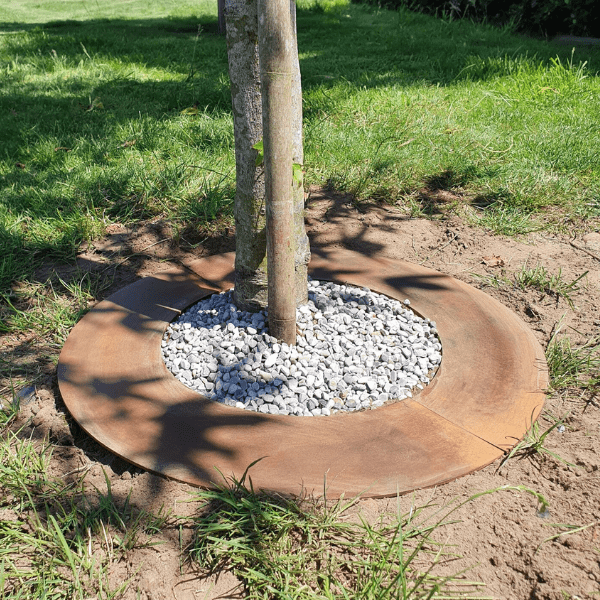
{"x": 251, "y": 265}
{"x": 221, "y": 16}
{"x": 275, "y": 45}
{"x": 302, "y": 256}
{"x": 250, "y": 292}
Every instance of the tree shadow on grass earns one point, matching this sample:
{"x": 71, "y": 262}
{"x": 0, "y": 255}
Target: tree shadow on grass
{"x": 59, "y": 122}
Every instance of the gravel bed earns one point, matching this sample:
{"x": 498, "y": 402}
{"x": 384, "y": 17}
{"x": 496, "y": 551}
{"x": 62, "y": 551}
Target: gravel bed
{"x": 355, "y": 350}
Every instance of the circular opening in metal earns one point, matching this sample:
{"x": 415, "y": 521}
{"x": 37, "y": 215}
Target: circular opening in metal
{"x": 356, "y": 350}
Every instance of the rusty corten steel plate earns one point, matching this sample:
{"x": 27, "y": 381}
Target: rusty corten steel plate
{"x": 483, "y": 399}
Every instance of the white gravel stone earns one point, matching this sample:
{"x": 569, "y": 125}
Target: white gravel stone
{"x": 355, "y": 350}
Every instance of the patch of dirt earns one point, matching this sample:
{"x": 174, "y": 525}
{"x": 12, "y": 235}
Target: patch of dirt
{"x": 501, "y": 538}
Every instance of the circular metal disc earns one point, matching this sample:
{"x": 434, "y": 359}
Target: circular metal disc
{"x": 486, "y": 394}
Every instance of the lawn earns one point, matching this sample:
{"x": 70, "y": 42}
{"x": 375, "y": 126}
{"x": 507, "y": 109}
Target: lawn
{"x": 105, "y": 117}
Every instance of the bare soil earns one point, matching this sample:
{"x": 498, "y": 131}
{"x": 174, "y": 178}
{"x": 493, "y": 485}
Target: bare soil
{"x": 500, "y": 537}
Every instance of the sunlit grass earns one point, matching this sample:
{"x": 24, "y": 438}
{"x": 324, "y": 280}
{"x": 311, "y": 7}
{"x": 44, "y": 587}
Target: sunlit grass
{"x": 318, "y": 550}
{"x": 533, "y": 443}
{"x": 57, "y": 539}
{"x": 538, "y": 278}
{"x": 95, "y": 122}
{"x": 283, "y": 548}
{"x": 573, "y": 366}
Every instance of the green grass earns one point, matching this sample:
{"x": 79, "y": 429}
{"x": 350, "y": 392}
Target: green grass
{"x": 94, "y": 127}
{"x": 93, "y": 130}
{"x": 537, "y": 278}
{"x": 497, "y": 126}
{"x": 308, "y": 550}
{"x": 46, "y": 312}
{"x": 573, "y": 367}
{"x": 16, "y": 15}
{"x": 49, "y": 311}
{"x": 58, "y": 540}
{"x": 314, "y": 550}
{"x": 569, "y": 529}
{"x": 533, "y": 443}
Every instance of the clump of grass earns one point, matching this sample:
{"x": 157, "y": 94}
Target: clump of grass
{"x": 58, "y": 539}
{"x": 573, "y": 367}
{"x": 281, "y": 550}
{"x": 533, "y": 443}
{"x": 507, "y": 220}
{"x": 50, "y": 309}
{"x": 131, "y": 526}
{"x": 539, "y": 278}
{"x": 497, "y": 280}
{"x": 308, "y": 550}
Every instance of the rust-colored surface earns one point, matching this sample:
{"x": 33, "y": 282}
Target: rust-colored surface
{"x": 483, "y": 399}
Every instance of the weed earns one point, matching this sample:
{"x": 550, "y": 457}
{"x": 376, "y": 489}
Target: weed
{"x": 496, "y": 281}
{"x": 508, "y": 220}
{"x": 58, "y": 539}
{"x": 130, "y": 522}
{"x": 51, "y": 309}
{"x": 570, "y": 529}
{"x": 573, "y": 367}
{"x": 10, "y": 410}
{"x": 539, "y": 278}
{"x": 533, "y": 443}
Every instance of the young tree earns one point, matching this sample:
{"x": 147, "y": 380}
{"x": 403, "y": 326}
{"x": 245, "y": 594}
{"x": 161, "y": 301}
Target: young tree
{"x": 251, "y": 281}
{"x": 275, "y": 51}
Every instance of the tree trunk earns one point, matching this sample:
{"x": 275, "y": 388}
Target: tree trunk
{"x": 251, "y": 265}
{"x": 250, "y": 291}
{"x": 275, "y": 45}
{"x": 221, "y": 17}
{"x": 302, "y": 257}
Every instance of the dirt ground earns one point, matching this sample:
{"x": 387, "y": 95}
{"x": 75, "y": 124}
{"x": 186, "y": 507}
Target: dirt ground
{"x": 500, "y": 537}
